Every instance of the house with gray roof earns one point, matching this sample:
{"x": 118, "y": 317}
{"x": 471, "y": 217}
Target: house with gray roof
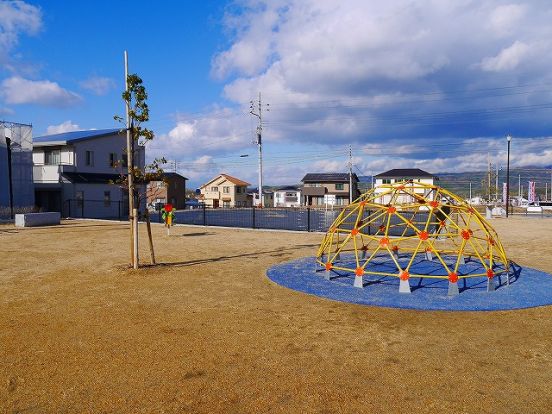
{"x": 74, "y": 173}
{"x": 328, "y": 189}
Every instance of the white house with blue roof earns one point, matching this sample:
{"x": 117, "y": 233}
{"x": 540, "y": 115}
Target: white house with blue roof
{"x": 73, "y": 172}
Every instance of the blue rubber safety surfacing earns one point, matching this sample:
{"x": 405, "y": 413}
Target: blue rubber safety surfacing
{"x": 528, "y": 287}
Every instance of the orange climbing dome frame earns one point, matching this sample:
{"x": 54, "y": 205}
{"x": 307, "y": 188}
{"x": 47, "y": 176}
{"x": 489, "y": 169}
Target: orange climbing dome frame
{"x": 412, "y": 219}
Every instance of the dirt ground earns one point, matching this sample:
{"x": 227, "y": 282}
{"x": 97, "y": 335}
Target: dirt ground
{"x": 207, "y": 332}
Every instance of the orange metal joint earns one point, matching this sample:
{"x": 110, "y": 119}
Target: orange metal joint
{"x": 382, "y": 228}
{"x": 405, "y": 275}
{"x": 442, "y": 223}
{"x": 466, "y": 234}
{"x": 490, "y": 273}
{"x": 359, "y": 271}
{"x": 453, "y": 277}
{"x": 395, "y": 248}
{"x": 434, "y": 204}
{"x": 424, "y": 235}
{"x": 329, "y": 266}
{"x": 354, "y": 231}
{"x": 391, "y": 210}
{"x": 384, "y": 242}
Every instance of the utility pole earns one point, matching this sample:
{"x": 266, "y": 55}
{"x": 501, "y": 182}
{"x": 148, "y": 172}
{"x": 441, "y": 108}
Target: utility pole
{"x": 259, "y": 115}
{"x": 488, "y": 177}
{"x": 350, "y": 175}
{"x": 496, "y": 182}
{"x": 509, "y": 139}
{"x": 519, "y": 186}
{"x": 132, "y": 212}
{"x": 470, "y": 192}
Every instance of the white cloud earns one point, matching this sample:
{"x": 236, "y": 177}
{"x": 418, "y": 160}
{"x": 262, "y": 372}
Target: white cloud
{"x": 6, "y": 111}
{"x": 504, "y": 18}
{"x": 98, "y": 85}
{"x": 16, "y": 18}
{"x": 508, "y": 58}
{"x": 17, "y": 90}
{"x": 66, "y": 126}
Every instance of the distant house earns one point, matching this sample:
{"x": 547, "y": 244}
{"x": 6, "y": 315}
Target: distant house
{"x": 73, "y": 173}
{"x": 320, "y": 189}
{"x": 414, "y": 175}
{"x": 225, "y": 191}
{"x": 268, "y": 197}
{"x": 171, "y": 188}
{"x": 287, "y": 197}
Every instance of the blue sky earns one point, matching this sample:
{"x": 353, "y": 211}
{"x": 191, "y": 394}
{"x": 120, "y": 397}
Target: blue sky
{"x": 427, "y": 84}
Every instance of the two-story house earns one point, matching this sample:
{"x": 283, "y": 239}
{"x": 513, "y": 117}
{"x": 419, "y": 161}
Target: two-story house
{"x": 73, "y": 173}
{"x": 225, "y": 191}
{"x": 328, "y": 189}
{"x": 268, "y": 197}
{"x": 412, "y": 175}
{"x": 288, "y": 196}
{"x": 170, "y": 188}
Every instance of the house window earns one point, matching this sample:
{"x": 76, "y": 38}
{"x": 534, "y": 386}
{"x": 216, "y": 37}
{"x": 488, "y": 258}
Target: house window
{"x": 112, "y": 160}
{"x": 79, "y": 195}
{"x": 52, "y": 157}
{"x": 386, "y": 181}
{"x": 226, "y": 204}
{"x": 238, "y": 203}
{"x": 107, "y": 198}
{"x": 226, "y": 190}
{"x": 214, "y": 188}
{"x": 239, "y": 189}
{"x": 124, "y": 160}
{"x": 89, "y": 158}
{"x": 339, "y": 186}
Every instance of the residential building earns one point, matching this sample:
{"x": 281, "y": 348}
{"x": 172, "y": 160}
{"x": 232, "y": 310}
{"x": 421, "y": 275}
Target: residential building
{"x": 170, "y": 188}
{"x": 268, "y": 197}
{"x": 328, "y": 189}
{"x": 288, "y": 196}
{"x": 16, "y": 145}
{"x": 413, "y": 175}
{"x": 74, "y": 173}
{"x": 225, "y": 191}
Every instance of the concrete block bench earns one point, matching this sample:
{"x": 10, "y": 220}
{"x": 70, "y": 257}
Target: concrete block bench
{"x": 37, "y": 219}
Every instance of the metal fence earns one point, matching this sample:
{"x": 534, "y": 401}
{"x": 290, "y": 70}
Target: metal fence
{"x": 280, "y": 218}
{"x": 284, "y": 218}
{"x": 98, "y": 209}
{"x": 298, "y": 219}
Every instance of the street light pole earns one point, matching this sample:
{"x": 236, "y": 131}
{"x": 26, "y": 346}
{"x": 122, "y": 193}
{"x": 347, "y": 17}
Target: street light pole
{"x": 509, "y": 138}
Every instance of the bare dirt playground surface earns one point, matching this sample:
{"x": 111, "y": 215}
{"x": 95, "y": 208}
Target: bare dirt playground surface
{"x": 208, "y": 332}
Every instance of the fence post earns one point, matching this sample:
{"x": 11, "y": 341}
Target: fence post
{"x": 68, "y": 208}
{"x": 308, "y": 219}
{"x": 204, "y": 216}
{"x": 119, "y": 207}
{"x": 253, "y": 213}
{"x": 82, "y": 208}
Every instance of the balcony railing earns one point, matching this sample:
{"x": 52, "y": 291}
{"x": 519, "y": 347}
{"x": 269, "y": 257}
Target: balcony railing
{"x": 50, "y": 173}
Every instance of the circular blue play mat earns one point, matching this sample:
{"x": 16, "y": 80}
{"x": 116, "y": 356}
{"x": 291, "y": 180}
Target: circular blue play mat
{"x": 523, "y": 287}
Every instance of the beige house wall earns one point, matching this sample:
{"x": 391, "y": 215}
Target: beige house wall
{"x": 224, "y": 193}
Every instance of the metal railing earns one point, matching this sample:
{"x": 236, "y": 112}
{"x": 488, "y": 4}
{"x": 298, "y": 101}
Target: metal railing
{"x": 98, "y": 209}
